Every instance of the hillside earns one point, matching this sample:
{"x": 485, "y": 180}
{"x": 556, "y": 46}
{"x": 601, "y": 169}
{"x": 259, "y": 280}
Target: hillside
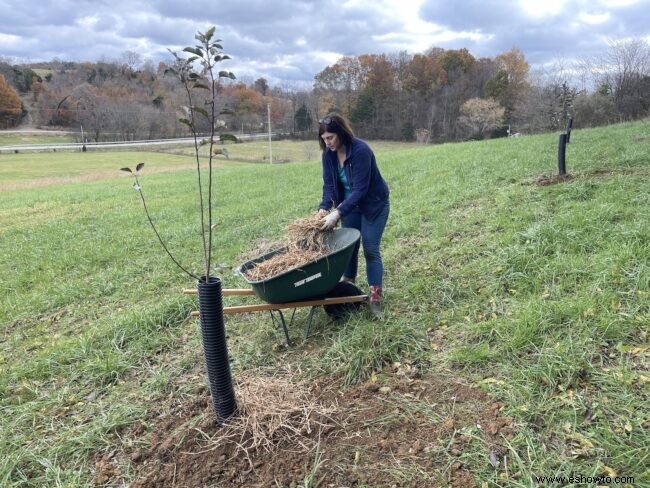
{"x": 515, "y": 344}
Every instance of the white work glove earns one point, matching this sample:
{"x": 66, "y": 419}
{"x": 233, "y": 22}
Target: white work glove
{"x": 322, "y": 212}
{"x": 330, "y": 220}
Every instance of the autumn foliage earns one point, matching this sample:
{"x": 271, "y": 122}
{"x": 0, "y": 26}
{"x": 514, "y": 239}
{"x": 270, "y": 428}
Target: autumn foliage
{"x": 10, "y": 104}
{"x": 448, "y": 94}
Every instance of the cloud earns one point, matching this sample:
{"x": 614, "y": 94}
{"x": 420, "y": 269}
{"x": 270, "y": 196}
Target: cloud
{"x": 293, "y": 40}
{"x": 542, "y": 30}
{"x": 479, "y": 15}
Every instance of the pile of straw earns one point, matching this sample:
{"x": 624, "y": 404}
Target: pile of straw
{"x": 273, "y": 411}
{"x": 304, "y": 242}
{"x": 306, "y": 233}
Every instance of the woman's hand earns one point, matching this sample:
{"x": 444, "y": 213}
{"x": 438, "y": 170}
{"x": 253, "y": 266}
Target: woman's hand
{"x": 330, "y": 221}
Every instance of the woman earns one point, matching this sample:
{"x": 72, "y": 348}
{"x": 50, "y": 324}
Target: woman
{"x": 352, "y": 183}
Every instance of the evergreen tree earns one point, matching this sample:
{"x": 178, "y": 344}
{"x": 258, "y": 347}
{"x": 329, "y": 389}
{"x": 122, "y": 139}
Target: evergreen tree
{"x": 303, "y": 119}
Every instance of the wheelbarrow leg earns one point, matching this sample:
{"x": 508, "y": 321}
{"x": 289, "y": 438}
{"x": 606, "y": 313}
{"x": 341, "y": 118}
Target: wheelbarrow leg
{"x": 310, "y": 319}
{"x": 284, "y": 326}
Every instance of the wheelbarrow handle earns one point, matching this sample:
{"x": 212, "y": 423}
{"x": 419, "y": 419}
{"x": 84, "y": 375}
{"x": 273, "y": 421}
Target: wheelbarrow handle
{"x": 279, "y": 306}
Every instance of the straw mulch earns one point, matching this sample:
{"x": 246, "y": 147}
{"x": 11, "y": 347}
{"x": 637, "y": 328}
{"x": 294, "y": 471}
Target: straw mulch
{"x": 273, "y": 411}
{"x": 304, "y": 242}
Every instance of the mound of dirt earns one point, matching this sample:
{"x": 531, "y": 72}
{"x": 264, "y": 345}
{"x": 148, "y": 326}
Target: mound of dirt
{"x": 544, "y": 180}
{"x": 369, "y": 434}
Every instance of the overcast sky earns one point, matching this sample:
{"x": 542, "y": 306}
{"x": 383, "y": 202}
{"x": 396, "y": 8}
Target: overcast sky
{"x": 289, "y": 41}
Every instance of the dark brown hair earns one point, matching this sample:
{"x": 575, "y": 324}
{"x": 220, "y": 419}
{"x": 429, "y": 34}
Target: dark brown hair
{"x": 336, "y": 124}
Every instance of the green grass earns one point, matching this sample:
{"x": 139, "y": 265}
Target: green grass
{"x": 39, "y": 169}
{"x": 543, "y": 291}
{"x": 284, "y": 151}
{"x": 15, "y": 139}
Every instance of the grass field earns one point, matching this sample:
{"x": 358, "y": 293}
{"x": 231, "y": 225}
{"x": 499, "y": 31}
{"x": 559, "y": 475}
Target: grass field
{"x": 536, "y": 294}
{"x": 284, "y": 151}
{"x": 14, "y": 139}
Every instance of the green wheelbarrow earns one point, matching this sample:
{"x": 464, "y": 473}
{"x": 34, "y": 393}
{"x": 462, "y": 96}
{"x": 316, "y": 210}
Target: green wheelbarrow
{"x": 313, "y": 284}
{"x": 310, "y": 280}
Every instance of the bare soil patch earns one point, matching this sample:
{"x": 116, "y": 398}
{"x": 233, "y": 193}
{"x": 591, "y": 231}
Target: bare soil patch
{"x": 403, "y": 429}
{"x": 546, "y": 180}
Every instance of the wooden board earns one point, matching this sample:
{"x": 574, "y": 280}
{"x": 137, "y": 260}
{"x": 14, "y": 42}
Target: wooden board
{"x": 279, "y": 306}
{"x": 226, "y": 291}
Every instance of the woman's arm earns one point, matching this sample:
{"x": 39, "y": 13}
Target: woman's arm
{"x": 329, "y": 191}
{"x": 360, "y": 169}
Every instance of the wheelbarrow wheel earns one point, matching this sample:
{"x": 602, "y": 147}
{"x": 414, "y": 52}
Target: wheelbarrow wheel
{"x": 341, "y": 310}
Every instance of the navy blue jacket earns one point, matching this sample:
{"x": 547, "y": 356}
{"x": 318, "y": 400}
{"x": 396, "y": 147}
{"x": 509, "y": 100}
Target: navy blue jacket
{"x": 368, "y": 189}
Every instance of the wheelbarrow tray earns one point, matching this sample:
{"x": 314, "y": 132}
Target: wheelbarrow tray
{"x": 310, "y": 280}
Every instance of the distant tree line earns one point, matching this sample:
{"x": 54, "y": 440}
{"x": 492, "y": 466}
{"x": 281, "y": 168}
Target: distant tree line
{"x": 438, "y": 95}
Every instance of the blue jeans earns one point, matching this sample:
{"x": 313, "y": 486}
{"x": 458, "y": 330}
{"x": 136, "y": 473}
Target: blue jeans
{"x": 371, "y": 232}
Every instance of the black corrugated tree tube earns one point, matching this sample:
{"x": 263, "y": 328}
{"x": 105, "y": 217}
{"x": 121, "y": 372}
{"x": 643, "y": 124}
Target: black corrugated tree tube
{"x": 213, "y": 335}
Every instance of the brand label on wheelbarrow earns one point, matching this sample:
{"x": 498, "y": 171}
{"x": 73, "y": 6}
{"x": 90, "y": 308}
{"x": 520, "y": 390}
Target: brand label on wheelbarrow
{"x": 307, "y": 280}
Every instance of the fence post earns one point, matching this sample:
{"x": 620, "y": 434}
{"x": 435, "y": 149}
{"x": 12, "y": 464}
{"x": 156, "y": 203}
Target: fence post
{"x": 561, "y": 155}
{"x": 569, "y": 124}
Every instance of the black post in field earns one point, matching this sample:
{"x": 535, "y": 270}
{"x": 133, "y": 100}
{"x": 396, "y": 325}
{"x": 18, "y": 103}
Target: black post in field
{"x": 569, "y": 124}
{"x": 561, "y": 155}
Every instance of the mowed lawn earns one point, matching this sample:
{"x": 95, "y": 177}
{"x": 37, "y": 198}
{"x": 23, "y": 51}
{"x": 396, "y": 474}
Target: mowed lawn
{"x": 286, "y": 151}
{"x": 14, "y": 138}
{"x": 30, "y": 169}
{"x": 25, "y": 170}
{"x": 538, "y": 294}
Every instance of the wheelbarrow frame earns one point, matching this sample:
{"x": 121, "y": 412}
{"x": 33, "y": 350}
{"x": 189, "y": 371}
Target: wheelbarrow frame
{"x": 278, "y": 307}
{"x": 311, "y": 284}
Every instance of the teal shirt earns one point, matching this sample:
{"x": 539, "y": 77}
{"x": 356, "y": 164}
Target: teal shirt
{"x": 344, "y": 181}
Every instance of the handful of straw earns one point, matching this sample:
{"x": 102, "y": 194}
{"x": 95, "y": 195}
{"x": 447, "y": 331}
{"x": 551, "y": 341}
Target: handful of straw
{"x": 306, "y": 233}
{"x": 304, "y": 241}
